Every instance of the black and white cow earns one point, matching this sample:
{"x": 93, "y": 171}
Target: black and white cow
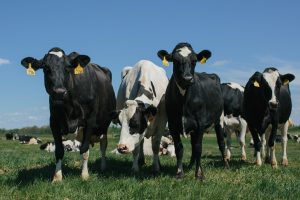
{"x": 193, "y": 102}
{"x": 267, "y": 103}
{"x": 141, "y": 110}
{"x": 80, "y": 95}
{"x": 233, "y": 94}
{"x": 26, "y": 139}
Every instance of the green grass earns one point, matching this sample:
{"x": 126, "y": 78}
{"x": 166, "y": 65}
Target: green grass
{"x": 26, "y": 173}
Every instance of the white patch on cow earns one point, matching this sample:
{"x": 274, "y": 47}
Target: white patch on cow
{"x": 57, "y": 53}
{"x": 50, "y": 147}
{"x": 85, "y": 159}
{"x": 271, "y": 78}
{"x": 125, "y": 71}
{"x": 58, "y": 173}
{"x": 184, "y": 51}
{"x": 181, "y": 90}
{"x": 236, "y": 86}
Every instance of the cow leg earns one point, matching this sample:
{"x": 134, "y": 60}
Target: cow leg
{"x": 264, "y": 148}
{"x": 155, "y": 148}
{"x": 257, "y": 145}
{"x": 85, "y": 159}
{"x": 243, "y": 128}
{"x": 141, "y": 160}
{"x": 221, "y": 142}
{"x": 284, "y": 131}
{"x": 135, "y": 153}
{"x": 103, "y": 146}
{"x": 59, "y": 154}
{"x": 271, "y": 144}
{"x": 228, "y": 143}
{"x": 196, "y": 140}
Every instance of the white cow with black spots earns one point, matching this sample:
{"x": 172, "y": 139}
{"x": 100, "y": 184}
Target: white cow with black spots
{"x": 141, "y": 110}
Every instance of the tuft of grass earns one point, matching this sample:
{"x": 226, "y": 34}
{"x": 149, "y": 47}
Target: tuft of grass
{"x": 26, "y": 173}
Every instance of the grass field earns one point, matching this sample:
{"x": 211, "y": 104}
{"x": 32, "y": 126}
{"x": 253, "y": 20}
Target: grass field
{"x": 26, "y": 173}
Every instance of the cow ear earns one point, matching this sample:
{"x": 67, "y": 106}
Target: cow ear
{"x": 203, "y": 56}
{"x": 286, "y": 78}
{"x": 165, "y": 57}
{"x": 79, "y": 62}
{"x": 256, "y": 79}
{"x": 31, "y": 64}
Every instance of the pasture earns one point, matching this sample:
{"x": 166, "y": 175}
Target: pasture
{"x": 26, "y": 173}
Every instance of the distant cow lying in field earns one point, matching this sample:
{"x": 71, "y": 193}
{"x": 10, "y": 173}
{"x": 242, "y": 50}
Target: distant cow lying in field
{"x": 69, "y": 145}
{"x": 25, "y": 139}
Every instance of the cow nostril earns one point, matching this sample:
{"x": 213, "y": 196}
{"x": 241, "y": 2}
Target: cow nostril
{"x": 122, "y": 148}
{"x": 273, "y": 104}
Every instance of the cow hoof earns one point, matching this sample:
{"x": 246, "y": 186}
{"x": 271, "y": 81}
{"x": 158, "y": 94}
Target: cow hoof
{"x": 226, "y": 164}
{"x": 274, "y": 165}
{"x": 57, "y": 178}
{"x": 243, "y": 158}
{"x": 179, "y": 175}
{"x": 285, "y": 162}
{"x": 258, "y": 163}
{"x": 199, "y": 176}
{"x": 85, "y": 176}
{"x": 155, "y": 173}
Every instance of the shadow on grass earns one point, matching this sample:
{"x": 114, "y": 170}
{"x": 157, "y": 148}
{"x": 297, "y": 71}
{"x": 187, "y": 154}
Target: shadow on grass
{"x": 27, "y": 177}
{"x": 118, "y": 168}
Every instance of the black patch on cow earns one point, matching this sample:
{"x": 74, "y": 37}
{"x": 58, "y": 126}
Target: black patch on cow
{"x": 138, "y": 123}
{"x": 153, "y": 89}
{"x": 143, "y": 91}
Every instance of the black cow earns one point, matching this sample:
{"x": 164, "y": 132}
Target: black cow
{"x": 193, "y": 102}
{"x": 233, "y": 94}
{"x": 267, "y": 101}
{"x": 80, "y": 95}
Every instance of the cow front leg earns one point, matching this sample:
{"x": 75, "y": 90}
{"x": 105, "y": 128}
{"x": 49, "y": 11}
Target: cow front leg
{"x": 135, "y": 165}
{"x": 179, "y": 154}
{"x": 85, "y": 171}
{"x": 243, "y": 128}
{"x": 59, "y": 154}
{"x": 155, "y": 148}
{"x": 257, "y": 146}
{"x": 284, "y": 131}
{"x": 228, "y": 143}
{"x": 103, "y": 147}
{"x": 271, "y": 144}
{"x": 196, "y": 140}
{"x": 221, "y": 143}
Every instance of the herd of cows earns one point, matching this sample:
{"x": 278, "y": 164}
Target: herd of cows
{"x": 81, "y": 96}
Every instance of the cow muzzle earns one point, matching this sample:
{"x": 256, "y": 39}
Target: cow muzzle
{"x": 123, "y": 149}
{"x": 273, "y": 105}
{"x": 59, "y": 95}
{"x": 188, "y": 80}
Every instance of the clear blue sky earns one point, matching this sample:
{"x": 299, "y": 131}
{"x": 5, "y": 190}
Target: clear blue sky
{"x": 244, "y": 37}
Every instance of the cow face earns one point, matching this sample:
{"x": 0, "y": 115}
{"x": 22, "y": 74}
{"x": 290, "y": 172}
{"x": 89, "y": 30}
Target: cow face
{"x": 57, "y": 68}
{"x": 184, "y": 61}
{"x": 270, "y": 82}
{"x": 134, "y": 121}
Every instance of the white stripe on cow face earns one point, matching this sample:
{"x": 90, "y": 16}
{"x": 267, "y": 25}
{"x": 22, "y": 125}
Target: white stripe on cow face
{"x": 184, "y": 51}
{"x": 57, "y": 53}
{"x": 271, "y": 78}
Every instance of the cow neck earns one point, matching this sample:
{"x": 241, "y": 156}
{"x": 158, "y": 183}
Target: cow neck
{"x": 181, "y": 91}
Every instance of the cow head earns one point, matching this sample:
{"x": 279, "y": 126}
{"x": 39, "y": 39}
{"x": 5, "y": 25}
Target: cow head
{"x": 57, "y": 69}
{"x": 184, "y": 61}
{"x": 269, "y": 83}
{"x": 134, "y": 121}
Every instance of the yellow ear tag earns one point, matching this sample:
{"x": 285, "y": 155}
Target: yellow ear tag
{"x": 256, "y": 84}
{"x": 203, "y": 60}
{"x": 286, "y": 82}
{"x": 30, "y": 71}
{"x": 165, "y": 62}
{"x": 78, "y": 69}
